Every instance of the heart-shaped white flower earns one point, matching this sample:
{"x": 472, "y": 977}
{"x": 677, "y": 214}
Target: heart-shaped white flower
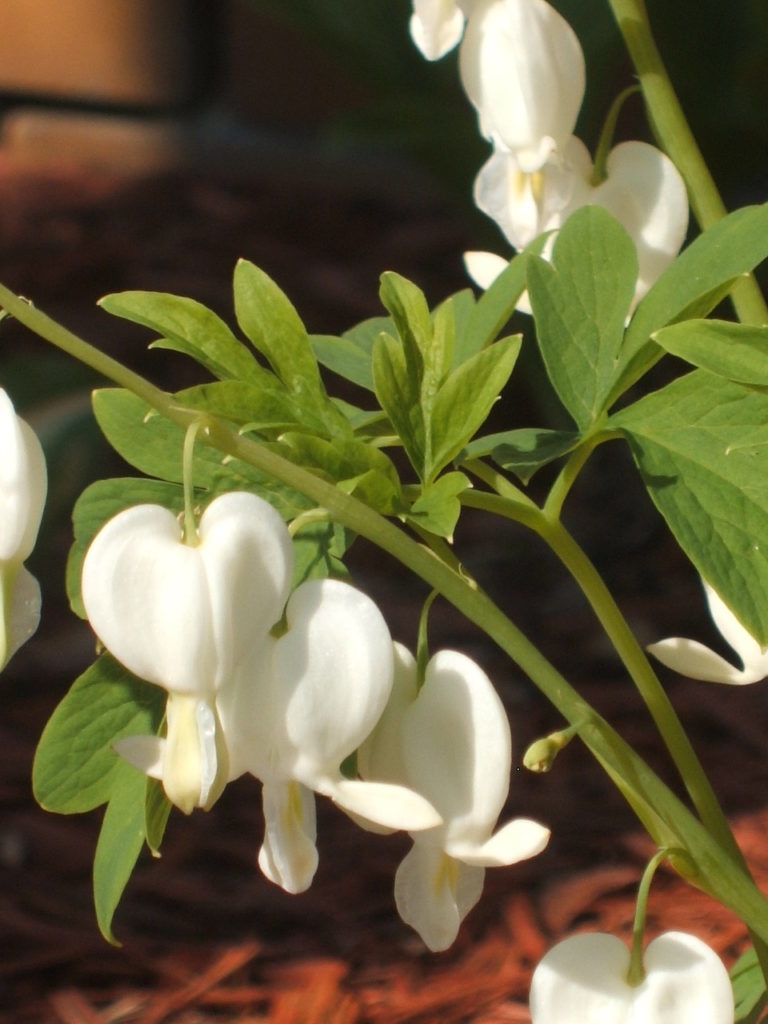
{"x": 583, "y": 979}
{"x": 183, "y": 616}
{"x": 643, "y": 190}
{"x": 449, "y": 741}
{"x": 298, "y": 707}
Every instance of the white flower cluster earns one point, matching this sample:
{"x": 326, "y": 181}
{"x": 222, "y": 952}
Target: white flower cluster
{"x": 287, "y": 688}
{"x": 522, "y": 67}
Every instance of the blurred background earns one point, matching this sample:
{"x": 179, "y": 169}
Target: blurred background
{"x": 149, "y": 144}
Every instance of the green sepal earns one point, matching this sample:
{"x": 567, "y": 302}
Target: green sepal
{"x": 701, "y": 445}
{"x": 580, "y": 304}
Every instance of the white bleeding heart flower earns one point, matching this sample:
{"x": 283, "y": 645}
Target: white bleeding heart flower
{"x": 182, "y": 616}
{"x": 643, "y": 190}
{"x": 298, "y": 707}
{"x": 691, "y": 658}
{"x": 523, "y": 69}
{"x": 436, "y": 26}
{"x": 449, "y": 741}
{"x": 23, "y": 486}
{"x": 584, "y": 977}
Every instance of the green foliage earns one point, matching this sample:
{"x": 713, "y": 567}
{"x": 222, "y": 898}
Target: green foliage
{"x": 523, "y": 451}
{"x": 701, "y": 445}
{"x": 76, "y": 769}
{"x": 738, "y": 352}
{"x": 580, "y": 303}
{"x": 434, "y": 409}
{"x": 749, "y": 992}
{"x": 692, "y": 285}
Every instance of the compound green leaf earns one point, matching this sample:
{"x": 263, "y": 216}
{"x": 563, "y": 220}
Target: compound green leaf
{"x": 738, "y": 352}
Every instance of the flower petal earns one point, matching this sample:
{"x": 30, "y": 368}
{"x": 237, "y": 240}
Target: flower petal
{"x": 144, "y": 752}
{"x": 434, "y": 893}
{"x": 288, "y": 856}
{"x": 183, "y": 616}
{"x": 331, "y": 675}
{"x": 523, "y": 68}
{"x": 517, "y": 840}
{"x": 382, "y": 803}
{"x": 754, "y": 658}
{"x": 584, "y": 978}
{"x": 647, "y": 195}
{"x": 20, "y": 601}
{"x": 23, "y": 484}
{"x": 694, "y": 660}
{"x": 458, "y": 747}
{"x": 484, "y": 267}
{"x": 436, "y": 26}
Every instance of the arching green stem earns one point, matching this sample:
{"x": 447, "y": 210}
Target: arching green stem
{"x": 636, "y": 972}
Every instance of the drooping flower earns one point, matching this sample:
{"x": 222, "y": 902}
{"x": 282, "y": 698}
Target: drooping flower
{"x": 691, "y": 658}
{"x": 23, "y": 486}
{"x": 449, "y": 741}
{"x": 584, "y": 977}
{"x": 523, "y": 69}
{"x": 182, "y": 616}
{"x": 298, "y": 707}
{"x": 643, "y": 190}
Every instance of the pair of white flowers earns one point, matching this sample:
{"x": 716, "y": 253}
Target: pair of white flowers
{"x": 288, "y": 691}
{"x": 23, "y": 486}
{"x": 522, "y": 67}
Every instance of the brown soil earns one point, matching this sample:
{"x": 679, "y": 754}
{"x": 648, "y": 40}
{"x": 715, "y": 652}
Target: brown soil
{"x": 205, "y": 937}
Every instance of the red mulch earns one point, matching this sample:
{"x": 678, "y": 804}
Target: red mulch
{"x": 205, "y": 937}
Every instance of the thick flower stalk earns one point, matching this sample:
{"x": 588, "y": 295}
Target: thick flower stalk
{"x": 584, "y": 979}
{"x": 299, "y": 705}
{"x": 23, "y": 486}
{"x": 695, "y": 660}
{"x": 183, "y": 615}
{"x": 522, "y": 67}
{"x": 642, "y": 189}
{"x": 450, "y": 741}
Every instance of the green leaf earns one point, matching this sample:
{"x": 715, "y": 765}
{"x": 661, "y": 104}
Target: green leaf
{"x": 154, "y": 446}
{"x": 701, "y": 444}
{"x": 120, "y": 842}
{"x": 318, "y": 549}
{"x": 267, "y": 409}
{"x": 523, "y": 451}
{"x": 189, "y": 327}
{"x": 398, "y": 385}
{"x": 732, "y": 247}
{"x": 75, "y": 767}
{"x": 356, "y": 467}
{"x": 497, "y": 304}
{"x": 736, "y": 351}
{"x": 749, "y": 993}
{"x": 465, "y": 399}
{"x": 350, "y": 355}
{"x": 438, "y": 507}
{"x": 100, "y": 502}
{"x": 462, "y": 306}
{"x": 580, "y": 303}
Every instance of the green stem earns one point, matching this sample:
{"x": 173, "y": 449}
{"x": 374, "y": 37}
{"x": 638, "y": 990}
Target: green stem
{"x": 636, "y": 973}
{"x": 674, "y": 135}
